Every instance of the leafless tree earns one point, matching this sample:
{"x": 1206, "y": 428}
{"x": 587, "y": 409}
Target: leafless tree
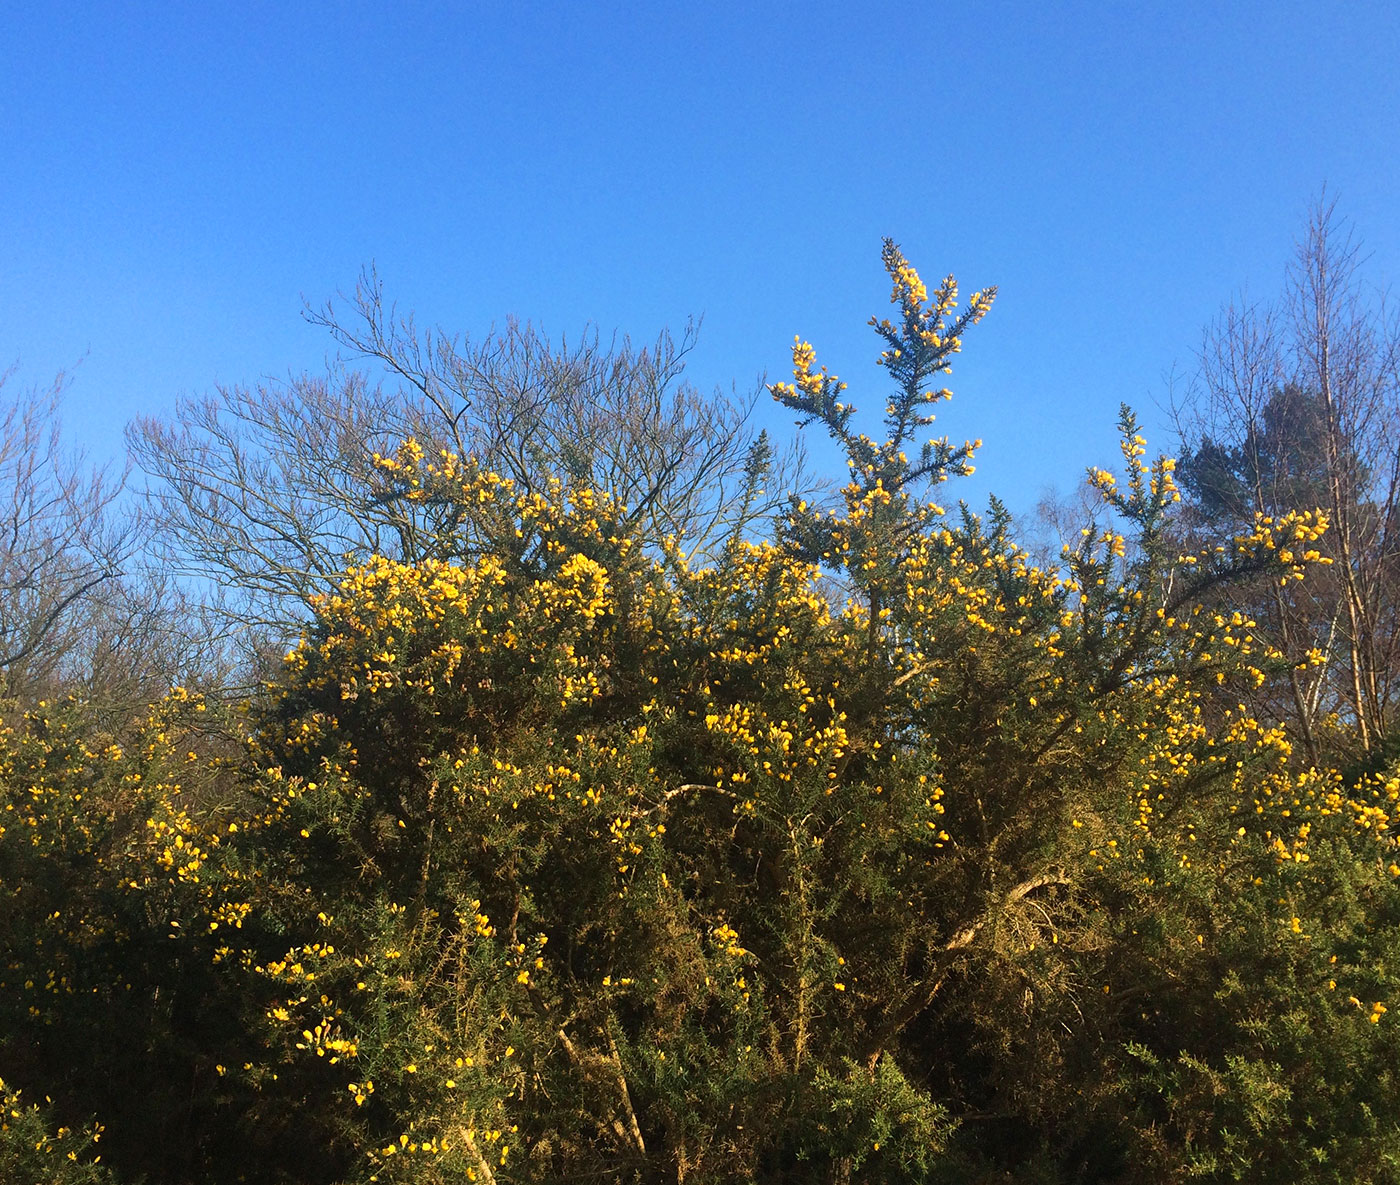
{"x": 1299, "y": 402}
{"x": 79, "y": 615}
{"x": 268, "y": 492}
{"x": 61, "y": 546}
{"x": 1058, "y": 519}
{"x": 614, "y": 417}
{"x": 1349, "y": 354}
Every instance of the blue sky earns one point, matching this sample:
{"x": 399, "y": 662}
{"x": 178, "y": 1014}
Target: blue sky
{"x": 179, "y": 177}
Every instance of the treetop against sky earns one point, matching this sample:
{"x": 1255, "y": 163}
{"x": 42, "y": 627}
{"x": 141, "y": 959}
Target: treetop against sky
{"x": 179, "y": 181}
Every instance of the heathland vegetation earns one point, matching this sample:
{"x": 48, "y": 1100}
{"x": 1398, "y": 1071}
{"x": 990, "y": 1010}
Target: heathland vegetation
{"x": 522, "y": 771}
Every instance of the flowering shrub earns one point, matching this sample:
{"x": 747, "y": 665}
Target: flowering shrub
{"x": 872, "y": 851}
{"x": 33, "y": 1149}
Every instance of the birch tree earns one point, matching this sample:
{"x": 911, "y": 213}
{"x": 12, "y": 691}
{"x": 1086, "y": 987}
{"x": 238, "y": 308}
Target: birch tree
{"x": 1297, "y": 405}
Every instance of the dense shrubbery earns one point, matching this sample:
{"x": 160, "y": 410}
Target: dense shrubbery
{"x": 870, "y": 851}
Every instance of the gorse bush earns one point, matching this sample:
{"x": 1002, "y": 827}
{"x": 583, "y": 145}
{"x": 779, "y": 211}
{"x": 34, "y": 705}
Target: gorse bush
{"x": 31, "y": 1149}
{"x": 868, "y": 851}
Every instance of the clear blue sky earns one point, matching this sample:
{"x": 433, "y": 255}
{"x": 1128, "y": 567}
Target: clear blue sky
{"x": 178, "y": 177}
